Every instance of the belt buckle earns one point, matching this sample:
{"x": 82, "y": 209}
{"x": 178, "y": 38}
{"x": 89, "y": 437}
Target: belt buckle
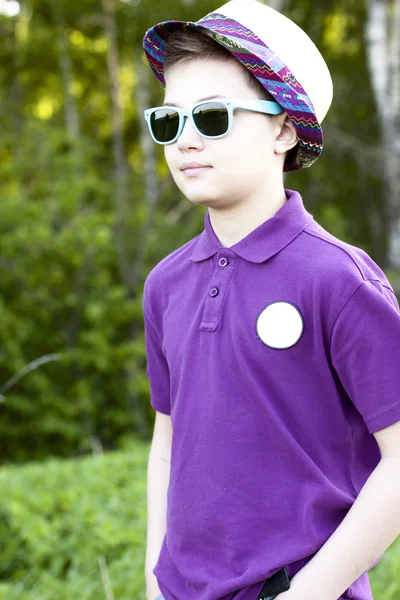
{"x": 276, "y": 584}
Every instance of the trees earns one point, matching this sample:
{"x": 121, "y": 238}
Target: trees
{"x": 382, "y": 34}
{"x": 87, "y": 205}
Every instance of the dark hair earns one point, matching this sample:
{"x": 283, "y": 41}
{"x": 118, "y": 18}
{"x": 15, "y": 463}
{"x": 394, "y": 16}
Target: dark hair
{"x": 184, "y": 46}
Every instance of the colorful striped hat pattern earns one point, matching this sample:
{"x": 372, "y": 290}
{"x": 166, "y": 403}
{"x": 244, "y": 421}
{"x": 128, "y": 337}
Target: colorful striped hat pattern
{"x": 277, "y": 52}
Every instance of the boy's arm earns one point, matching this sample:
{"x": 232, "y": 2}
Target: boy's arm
{"x": 158, "y": 472}
{"x": 370, "y": 526}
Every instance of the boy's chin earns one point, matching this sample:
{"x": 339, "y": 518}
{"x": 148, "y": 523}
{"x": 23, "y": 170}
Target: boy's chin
{"x": 202, "y": 200}
{"x": 204, "y": 197}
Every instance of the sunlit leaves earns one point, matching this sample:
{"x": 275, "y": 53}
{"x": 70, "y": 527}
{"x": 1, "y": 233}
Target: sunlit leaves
{"x": 340, "y": 34}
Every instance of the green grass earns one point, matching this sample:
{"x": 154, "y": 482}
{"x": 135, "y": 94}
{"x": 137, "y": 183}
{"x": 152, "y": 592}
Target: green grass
{"x": 58, "y": 517}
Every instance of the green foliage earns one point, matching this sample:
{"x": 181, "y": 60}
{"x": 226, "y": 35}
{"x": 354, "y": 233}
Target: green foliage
{"x": 58, "y": 518}
{"x": 60, "y": 292}
{"x": 385, "y": 577}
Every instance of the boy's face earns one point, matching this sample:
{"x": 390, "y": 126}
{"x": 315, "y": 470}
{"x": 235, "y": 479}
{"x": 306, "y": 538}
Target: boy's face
{"x": 244, "y": 164}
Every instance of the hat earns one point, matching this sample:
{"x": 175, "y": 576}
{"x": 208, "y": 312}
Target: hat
{"x": 277, "y": 52}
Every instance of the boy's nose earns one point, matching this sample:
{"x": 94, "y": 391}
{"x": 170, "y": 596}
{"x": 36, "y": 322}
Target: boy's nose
{"x": 189, "y": 136}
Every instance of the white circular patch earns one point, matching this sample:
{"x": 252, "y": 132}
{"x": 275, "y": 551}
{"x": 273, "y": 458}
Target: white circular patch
{"x": 280, "y": 325}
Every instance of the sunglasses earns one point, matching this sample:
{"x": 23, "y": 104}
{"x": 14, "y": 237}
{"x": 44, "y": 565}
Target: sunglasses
{"x": 211, "y": 119}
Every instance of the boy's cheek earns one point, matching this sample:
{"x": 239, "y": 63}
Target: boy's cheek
{"x": 171, "y": 163}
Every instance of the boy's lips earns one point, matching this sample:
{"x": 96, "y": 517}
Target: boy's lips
{"x": 193, "y": 169}
{"x": 193, "y": 165}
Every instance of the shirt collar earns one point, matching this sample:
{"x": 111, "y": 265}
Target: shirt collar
{"x": 263, "y": 242}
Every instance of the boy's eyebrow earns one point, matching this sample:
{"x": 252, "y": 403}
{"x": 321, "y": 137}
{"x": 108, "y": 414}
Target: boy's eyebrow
{"x": 199, "y": 100}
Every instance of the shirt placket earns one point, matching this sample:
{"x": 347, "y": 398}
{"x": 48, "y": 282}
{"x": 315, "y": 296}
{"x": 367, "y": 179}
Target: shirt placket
{"x": 225, "y": 261}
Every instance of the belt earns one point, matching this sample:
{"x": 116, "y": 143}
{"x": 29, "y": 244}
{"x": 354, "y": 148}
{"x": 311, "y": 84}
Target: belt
{"x": 276, "y": 584}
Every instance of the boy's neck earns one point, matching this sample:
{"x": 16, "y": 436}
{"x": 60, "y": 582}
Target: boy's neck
{"x": 234, "y": 223}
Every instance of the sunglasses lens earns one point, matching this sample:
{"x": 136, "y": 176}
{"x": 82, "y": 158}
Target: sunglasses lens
{"x": 211, "y": 119}
{"x": 164, "y": 124}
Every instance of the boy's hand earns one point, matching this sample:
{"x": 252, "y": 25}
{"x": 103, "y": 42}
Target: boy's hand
{"x": 294, "y": 594}
{"x": 297, "y": 591}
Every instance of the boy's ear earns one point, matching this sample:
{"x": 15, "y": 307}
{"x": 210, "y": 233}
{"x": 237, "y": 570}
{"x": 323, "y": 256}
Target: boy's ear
{"x": 286, "y": 138}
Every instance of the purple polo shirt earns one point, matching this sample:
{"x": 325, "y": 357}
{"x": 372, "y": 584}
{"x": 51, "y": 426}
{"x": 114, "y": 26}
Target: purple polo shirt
{"x": 277, "y": 358}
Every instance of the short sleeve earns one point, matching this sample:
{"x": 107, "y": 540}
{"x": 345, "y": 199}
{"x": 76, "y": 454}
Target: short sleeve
{"x": 157, "y": 369}
{"x": 365, "y": 352}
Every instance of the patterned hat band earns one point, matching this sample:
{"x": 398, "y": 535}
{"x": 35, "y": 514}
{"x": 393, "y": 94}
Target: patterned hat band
{"x": 270, "y": 70}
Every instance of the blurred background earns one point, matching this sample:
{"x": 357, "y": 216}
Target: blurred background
{"x": 87, "y": 208}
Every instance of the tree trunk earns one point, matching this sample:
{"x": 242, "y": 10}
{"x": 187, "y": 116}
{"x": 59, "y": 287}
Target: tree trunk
{"x": 392, "y": 135}
{"x": 120, "y": 163}
{"x": 16, "y": 90}
{"x": 383, "y": 51}
{"x": 66, "y": 70}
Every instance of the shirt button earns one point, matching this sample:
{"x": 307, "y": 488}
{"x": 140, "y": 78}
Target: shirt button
{"x": 223, "y": 262}
{"x": 214, "y": 292}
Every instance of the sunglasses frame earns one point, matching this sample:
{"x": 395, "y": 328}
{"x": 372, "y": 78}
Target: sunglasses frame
{"x": 261, "y": 106}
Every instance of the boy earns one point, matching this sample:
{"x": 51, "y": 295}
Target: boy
{"x": 272, "y": 346}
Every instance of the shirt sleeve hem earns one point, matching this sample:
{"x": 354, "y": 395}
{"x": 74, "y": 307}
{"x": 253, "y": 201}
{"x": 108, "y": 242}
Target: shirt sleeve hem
{"x": 383, "y": 419}
{"x": 160, "y": 406}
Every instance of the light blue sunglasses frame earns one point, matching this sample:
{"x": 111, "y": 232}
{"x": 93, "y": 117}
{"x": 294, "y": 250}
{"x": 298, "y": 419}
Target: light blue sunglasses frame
{"x": 261, "y": 106}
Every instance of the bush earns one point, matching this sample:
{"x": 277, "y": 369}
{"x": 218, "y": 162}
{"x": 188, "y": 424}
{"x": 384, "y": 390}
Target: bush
{"x": 58, "y": 518}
